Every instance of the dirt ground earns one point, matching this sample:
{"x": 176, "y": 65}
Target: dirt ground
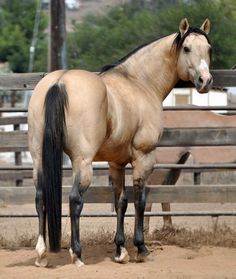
{"x": 171, "y": 262}
{"x": 189, "y": 255}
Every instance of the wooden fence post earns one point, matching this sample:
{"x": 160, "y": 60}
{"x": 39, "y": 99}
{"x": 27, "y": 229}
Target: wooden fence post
{"x": 57, "y": 41}
{"x": 197, "y": 178}
{"x": 18, "y": 158}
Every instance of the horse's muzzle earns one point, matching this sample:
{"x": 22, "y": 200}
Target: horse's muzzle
{"x": 204, "y": 83}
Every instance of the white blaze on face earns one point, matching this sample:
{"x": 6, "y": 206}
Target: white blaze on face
{"x": 203, "y": 66}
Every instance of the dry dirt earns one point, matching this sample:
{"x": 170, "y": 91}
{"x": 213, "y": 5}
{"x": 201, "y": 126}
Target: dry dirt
{"x": 171, "y": 262}
{"x": 191, "y": 255}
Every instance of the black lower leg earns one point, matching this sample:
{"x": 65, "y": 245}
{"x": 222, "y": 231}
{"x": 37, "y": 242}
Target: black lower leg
{"x": 40, "y": 207}
{"x": 76, "y": 205}
{"x": 121, "y": 206}
{"x": 139, "y": 203}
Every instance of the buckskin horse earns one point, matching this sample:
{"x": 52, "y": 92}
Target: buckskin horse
{"x": 113, "y": 116}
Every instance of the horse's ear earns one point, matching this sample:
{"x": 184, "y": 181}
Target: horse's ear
{"x": 183, "y": 26}
{"x": 206, "y": 26}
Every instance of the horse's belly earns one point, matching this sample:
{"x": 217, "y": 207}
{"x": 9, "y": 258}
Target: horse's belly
{"x": 111, "y": 152}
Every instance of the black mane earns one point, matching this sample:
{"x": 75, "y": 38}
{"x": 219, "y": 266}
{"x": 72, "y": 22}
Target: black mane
{"x": 178, "y": 42}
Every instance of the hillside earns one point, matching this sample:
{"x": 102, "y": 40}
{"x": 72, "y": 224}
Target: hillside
{"x": 95, "y": 7}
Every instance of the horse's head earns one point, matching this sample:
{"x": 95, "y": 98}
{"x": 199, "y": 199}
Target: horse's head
{"x": 194, "y": 55}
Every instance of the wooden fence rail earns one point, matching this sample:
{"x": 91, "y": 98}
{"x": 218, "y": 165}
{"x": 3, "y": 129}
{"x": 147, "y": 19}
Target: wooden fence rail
{"x": 16, "y": 141}
{"x": 154, "y": 194}
{"x": 103, "y": 194}
{"x": 27, "y": 81}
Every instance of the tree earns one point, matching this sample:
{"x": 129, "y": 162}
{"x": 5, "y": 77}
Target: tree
{"x": 223, "y": 23}
{"x": 102, "y": 40}
{"x": 16, "y": 25}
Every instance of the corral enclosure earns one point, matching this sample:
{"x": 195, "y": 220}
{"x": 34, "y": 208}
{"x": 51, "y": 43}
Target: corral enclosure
{"x": 209, "y": 137}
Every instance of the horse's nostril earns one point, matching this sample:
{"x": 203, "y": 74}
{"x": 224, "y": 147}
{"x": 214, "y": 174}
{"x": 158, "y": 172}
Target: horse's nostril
{"x": 200, "y": 80}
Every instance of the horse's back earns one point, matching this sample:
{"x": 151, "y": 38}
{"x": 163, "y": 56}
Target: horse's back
{"x": 78, "y": 83}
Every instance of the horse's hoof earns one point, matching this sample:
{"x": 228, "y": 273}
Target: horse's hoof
{"x": 75, "y": 260}
{"x": 142, "y": 256}
{"x": 41, "y": 262}
{"x": 123, "y": 257}
{"x": 78, "y": 263}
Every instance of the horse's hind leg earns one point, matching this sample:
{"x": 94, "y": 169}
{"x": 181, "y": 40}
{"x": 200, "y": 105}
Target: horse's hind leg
{"x": 41, "y": 260}
{"x": 117, "y": 175}
{"x": 142, "y": 168}
{"x": 82, "y": 175}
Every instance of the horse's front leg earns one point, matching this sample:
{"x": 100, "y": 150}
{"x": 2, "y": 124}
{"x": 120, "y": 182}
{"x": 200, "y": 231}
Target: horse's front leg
{"x": 117, "y": 175}
{"x": 142, "y": 168}
{"x": 82, "y": 174}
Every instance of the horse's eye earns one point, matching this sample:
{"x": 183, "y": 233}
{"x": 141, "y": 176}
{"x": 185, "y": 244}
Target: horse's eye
{"x": 186, "y": 49}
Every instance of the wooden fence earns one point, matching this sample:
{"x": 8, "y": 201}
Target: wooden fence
{"x": 173, "y": 137}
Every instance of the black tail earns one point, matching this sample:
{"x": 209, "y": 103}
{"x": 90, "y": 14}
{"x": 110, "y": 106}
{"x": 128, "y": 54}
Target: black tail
{"x": 52, "y": 155}
{"x": 173, "y": 175}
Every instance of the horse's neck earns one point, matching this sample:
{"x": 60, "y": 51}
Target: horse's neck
{"x": 155, "y": 66}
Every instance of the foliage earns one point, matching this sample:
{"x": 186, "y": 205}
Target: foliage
{"x": 16, "y": 25}
{"x": 222, "y": 34}
{"x": 101, "y": 40}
